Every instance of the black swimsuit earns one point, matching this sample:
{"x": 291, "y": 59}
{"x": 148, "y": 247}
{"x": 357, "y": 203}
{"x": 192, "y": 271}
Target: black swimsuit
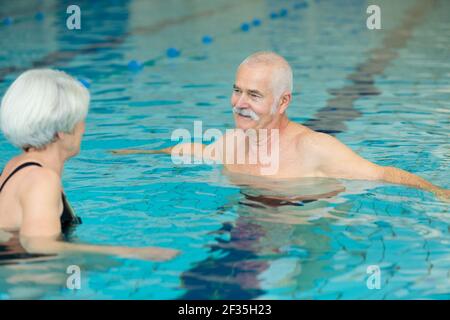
{"x": 68, "y": 217}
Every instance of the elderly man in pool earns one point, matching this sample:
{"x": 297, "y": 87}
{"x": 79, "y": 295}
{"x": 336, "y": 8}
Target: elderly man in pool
{"x": 261, "y": 95}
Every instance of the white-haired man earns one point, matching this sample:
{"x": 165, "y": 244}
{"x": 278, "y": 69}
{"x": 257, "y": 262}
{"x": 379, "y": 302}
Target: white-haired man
{"x": 261, "y": 95}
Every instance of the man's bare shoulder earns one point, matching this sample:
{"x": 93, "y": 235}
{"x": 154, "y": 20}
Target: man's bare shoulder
{"x": 308, "y": 139}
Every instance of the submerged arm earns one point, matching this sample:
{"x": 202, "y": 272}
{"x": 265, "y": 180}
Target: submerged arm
{"x": 188, "y": 148}
{"x": 337, "y": 160}
{"x": 51, "y": 245}
{"x": 399, "y": 176}
{"x": 184, "y": 149}
{"x": 140, "y": 151}
{"x": 41, "y": 227}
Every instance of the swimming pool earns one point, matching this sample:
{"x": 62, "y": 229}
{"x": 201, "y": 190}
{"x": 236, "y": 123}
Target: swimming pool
{"x": 385, "y": 93}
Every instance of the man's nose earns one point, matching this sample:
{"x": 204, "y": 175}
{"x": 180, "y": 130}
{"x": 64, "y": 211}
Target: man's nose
{"x": 242, "y": 102}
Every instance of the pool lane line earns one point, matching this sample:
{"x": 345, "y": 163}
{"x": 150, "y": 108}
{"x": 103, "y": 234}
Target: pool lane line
{"x": 111, "y": 42}
{"x": 59, "y": 56}
{"x": 233, "y": 274}
{"x": 340, "y": 108}
{"x": 255, "y": 22}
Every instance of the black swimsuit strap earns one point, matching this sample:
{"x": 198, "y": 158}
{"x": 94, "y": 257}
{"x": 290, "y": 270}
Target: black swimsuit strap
{"x": 23, "y": 165}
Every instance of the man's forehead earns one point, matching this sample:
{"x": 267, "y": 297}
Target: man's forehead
{"x": 254, "y": 77}
{"x": 256, "y": 68}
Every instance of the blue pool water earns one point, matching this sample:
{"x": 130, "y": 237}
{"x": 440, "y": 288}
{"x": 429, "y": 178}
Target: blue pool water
{"x": 385, "y": 93}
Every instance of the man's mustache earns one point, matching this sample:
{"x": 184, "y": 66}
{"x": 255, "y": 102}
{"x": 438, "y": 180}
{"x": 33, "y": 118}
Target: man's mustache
{"x": 246, "y": 113}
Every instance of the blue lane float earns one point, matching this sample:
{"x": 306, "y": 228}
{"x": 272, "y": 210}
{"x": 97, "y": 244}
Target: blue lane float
{"x": 135, "y": 65}
{"x": 173, "y": 52}
{"x": 85, "y": 82}
{"x": 8, "y": 21}
{"x": 39, "y": 16}
{"x": 256, "y": 22}
{"x": 245, "y": 27}
{"x": 207, "y": 39}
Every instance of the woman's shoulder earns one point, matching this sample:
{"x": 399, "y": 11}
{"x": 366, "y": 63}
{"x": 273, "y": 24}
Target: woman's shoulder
{"x": 30, "y": 176}
{"x": 42, "y": 177}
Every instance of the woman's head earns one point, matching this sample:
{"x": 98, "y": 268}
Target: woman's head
{"x": 44, "y": 106}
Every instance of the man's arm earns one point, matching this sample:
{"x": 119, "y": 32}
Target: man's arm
{"x": 184, "y": 148}
{"x": 334, "y": 159}
{"x": 198, "y": 150}
{"x": 140, "y": 151}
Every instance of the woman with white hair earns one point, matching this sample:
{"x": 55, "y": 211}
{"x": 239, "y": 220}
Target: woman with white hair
{"x": 43, "y": 112}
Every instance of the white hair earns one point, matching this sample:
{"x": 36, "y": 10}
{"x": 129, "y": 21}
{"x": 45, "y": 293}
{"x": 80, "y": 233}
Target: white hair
{"x": 282, "y": 79}
{"x": 39, "y": 104}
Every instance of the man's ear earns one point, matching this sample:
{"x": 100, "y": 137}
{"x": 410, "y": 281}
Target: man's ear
{"x": 286, "y": 98}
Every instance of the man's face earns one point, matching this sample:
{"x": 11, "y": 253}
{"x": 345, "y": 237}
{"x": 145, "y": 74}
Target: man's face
{"x": 253, "y": 99}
